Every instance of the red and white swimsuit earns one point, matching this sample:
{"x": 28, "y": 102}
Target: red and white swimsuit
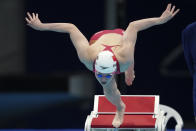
{"x": 97, "y": 35}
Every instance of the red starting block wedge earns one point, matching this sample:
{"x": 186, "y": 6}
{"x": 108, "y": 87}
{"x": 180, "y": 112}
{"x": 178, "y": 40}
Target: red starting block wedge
{"x": 143, "y": 112}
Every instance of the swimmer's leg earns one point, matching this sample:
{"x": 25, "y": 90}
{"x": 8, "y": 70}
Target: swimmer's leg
{"x": 113, "y": 95}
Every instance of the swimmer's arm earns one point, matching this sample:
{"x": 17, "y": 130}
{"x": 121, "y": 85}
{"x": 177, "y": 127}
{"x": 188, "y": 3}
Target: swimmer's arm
{"x": 78, "y": 39}
{"x": 136, "y": 26}
{"x": 57, "y": 27}
{"x": 34, "y": 22}
{"x": 167, "y": 15}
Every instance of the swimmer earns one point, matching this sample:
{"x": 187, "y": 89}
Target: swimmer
{"x": 108, "y": 53}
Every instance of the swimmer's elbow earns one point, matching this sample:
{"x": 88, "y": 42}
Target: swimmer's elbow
{"x": 87, "y": 63}
{"x": 68, "y": 28}
{"x": 133, "y": 26}
{"x": 71, "y": 27}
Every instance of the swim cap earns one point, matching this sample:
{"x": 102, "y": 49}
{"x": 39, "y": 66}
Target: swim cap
{"x": 105, "y": 62}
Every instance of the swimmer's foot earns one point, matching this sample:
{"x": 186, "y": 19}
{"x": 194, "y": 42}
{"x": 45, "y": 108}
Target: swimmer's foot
{"x": 118, "y": 119}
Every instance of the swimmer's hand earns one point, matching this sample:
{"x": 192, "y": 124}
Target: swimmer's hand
{"x": 168, "y": 14}
{"x": 129, "y": 77}
{"x": 34, "y": 22}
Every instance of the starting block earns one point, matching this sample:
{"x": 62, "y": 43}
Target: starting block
{"x": 142, "y": 113}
